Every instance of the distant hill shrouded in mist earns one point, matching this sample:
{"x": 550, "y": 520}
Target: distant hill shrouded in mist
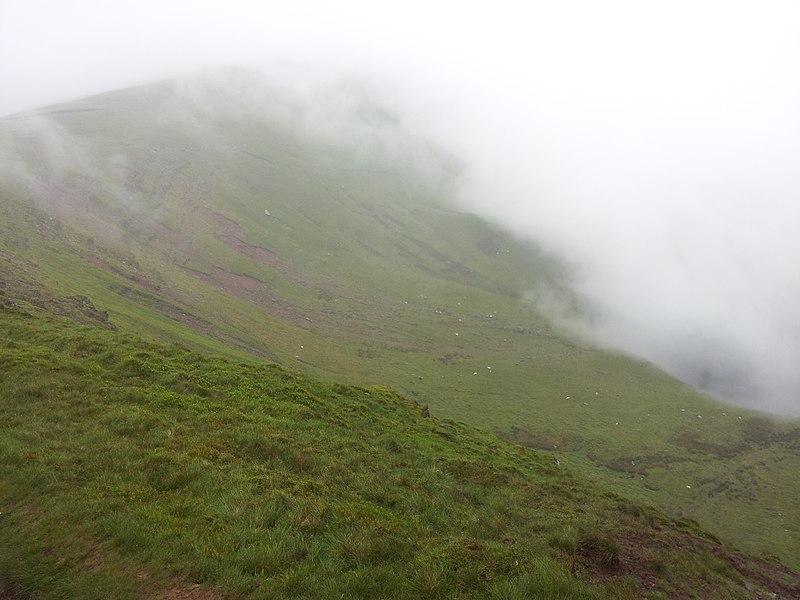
{"x": 650, "y": 147}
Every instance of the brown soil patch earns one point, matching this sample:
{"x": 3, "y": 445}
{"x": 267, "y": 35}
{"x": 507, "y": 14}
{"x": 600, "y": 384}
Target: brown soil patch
{"x": 252, "y": 289}
{"x": 193, "y": 592}
{"x": 97, "y": 261}
{"x": 9, "y": 593}
{"x": 776, "y": 578}
{"x": 232, "y": 234}
{"x": 245, "y": 287}
{"x": 633, "y": 562}
{"x": 156, "y": 302}
{"x": 637, "y": 559}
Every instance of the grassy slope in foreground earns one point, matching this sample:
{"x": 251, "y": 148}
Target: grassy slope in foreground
{"x": 359, "y": 274}
{"x": 130, "y": 469}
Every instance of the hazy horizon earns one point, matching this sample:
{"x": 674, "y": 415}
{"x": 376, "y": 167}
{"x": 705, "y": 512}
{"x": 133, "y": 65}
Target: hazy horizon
{"x": 653, "y": 148}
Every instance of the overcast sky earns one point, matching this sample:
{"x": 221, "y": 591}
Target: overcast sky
{"x": 654, "y": 146}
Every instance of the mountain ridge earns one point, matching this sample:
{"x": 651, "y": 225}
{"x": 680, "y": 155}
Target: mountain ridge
{"x": 353, "y": 264}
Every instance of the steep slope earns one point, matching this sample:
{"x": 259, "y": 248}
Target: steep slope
{"x": 240, "y": 226}
{"x": 131, "y": 469}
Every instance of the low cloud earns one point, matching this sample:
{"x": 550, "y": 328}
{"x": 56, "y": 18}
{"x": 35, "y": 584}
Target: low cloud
{"x": 653, "y": 148}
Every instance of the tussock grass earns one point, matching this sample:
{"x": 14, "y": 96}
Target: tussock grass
{"x": 128, "y": 468}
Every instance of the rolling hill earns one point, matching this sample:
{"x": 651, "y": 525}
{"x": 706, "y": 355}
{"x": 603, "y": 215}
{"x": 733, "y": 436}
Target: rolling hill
{"x": 246, "y": 226}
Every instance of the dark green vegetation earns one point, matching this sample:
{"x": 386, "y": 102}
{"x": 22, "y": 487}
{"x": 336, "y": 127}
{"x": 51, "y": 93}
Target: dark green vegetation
{"x": 250, "y": 238}
{"x": 131, "y": 469}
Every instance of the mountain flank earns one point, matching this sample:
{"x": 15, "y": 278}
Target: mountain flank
{"x": 138, "y": 469}
{"x": 242, "y": 228}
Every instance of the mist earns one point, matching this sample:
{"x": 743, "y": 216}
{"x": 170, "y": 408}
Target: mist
{"x": 653, "y": 148}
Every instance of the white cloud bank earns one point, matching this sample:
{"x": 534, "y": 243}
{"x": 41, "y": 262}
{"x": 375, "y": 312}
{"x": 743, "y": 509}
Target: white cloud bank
{"x": 654, "y": 146}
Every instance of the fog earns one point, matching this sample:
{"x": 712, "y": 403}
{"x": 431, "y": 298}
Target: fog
{"x": 652, "y": 147}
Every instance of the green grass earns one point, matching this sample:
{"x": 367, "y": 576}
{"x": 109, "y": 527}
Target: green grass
{"x": 364, "y": 275}
{"x": 133, "y": 469}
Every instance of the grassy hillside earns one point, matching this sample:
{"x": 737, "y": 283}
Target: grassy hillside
{"x": 204, "y": 222}
{"x": 133, "y": 469}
